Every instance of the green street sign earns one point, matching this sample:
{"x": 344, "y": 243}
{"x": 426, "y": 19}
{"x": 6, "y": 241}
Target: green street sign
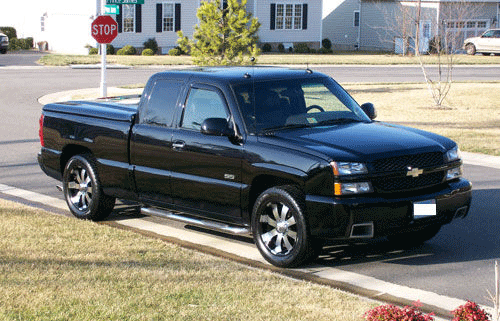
{"x": 111, "y": 9}
{"x": 124, "y": 1}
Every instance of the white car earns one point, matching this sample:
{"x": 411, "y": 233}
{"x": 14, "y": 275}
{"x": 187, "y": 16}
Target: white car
{"x": 487, "y": 43}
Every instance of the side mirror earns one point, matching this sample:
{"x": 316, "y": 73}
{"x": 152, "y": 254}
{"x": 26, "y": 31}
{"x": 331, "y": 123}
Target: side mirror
{"x": 369, "y": 110}
{"x": 216, "y": 127}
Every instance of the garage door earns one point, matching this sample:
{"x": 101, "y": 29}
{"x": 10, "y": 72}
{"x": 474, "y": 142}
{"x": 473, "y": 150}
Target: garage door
{"x": 458, "y": 31}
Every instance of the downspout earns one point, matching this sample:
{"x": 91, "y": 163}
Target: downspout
{"x": 358, "y": 40}
{"x": 498, "y": 14}
{"x": 321, "y": 26}
{"x": 438, "y": 21}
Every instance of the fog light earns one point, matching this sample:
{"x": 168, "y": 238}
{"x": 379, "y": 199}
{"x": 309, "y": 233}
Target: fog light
{"x": 454, "y": 173}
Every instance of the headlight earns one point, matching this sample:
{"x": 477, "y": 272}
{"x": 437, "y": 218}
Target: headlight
{"x": 345, "y": 168}
{"x": 452, "y": 155}
{"x": 352, "y": 188}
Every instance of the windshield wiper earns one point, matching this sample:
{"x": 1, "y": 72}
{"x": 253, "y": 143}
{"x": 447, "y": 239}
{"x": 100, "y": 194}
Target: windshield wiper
{"x": 283, "y": 127}
{"x": 337, "y": 121}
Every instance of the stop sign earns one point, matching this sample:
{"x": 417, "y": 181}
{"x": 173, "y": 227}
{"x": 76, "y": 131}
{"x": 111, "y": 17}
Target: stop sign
{"x": 104, "y": 29}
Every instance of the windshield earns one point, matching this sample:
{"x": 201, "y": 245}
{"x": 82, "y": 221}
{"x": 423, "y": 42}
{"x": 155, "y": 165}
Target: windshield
{"x": 276, "y": 105}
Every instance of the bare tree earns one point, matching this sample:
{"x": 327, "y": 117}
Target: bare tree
{"x": 449, "y": 23}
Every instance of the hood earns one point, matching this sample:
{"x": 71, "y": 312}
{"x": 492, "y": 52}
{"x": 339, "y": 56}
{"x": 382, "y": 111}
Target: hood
{"x": 362, "y": 141}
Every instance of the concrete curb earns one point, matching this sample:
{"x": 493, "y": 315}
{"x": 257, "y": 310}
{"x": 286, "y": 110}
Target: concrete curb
{"x": 98, "y": 66}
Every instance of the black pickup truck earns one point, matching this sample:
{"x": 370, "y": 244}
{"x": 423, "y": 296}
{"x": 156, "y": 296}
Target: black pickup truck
{"x": 286, "y": 155}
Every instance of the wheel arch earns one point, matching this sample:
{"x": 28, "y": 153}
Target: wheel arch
{"x": 69, "y": 151}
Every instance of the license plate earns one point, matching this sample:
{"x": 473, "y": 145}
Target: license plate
{"x": 424, "y": 209}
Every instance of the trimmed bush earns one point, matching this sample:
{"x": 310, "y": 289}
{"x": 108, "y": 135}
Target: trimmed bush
{"x": 128, "y": 50}
{"x": 281, "y": 48}
{"x": 267, "y": 47}
{"x": 110, "y": 50}
{"x": 302, "y": 48}
{"x": 175, "y": 52}
{"x": 151, "y": 44}
{"x": 93, "y": 51}
{"x": 326, "y": 43}
{"x": 148, "y": 52}
{"x": 20, "y": 44}
{"x": 323, "y": 50}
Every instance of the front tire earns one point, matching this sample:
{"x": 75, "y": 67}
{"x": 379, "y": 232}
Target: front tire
{"x": 280, "y": 228}
{"x": 470, "y": 49}
{"x": 82, "y": 190}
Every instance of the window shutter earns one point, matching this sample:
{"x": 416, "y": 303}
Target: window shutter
{"x": 159, "y": 17}
{"x": 177, "y": 17}
{"x": 138, "y": 18}
{"x": 304, "y": 16}
{"x": 273, "y": 16}
{"x": 119, "y": 19}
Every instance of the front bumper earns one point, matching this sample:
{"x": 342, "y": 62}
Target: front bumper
{"x": 367, "y": 217}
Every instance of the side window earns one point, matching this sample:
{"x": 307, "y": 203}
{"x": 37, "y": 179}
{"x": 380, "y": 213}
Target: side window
{"x": 160, "y": 107}
{"x": 200, "y": 105}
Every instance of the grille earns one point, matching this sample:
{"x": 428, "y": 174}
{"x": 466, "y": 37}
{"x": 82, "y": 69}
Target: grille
{"x": 397, "y": 184}
{"x": 400, "y": 163}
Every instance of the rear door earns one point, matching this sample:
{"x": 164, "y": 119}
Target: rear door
{"x": 206, "y": 170}
{"x": 151, "y": 142}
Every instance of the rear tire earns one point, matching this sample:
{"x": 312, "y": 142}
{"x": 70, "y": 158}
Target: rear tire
{"x": 280, "y": 229}
{"x": 83, "y": 191}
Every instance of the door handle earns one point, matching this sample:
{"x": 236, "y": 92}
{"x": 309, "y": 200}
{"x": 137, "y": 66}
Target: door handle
{"x": 179, "y": 145}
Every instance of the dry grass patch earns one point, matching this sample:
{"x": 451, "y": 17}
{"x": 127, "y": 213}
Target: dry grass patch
{"x": 471, "y": 115}
{"x": 60, "y": 268}
{"x": 338, "y": 58}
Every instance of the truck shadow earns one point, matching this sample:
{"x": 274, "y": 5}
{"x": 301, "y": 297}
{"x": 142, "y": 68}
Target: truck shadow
{"x": 470, "y": 239}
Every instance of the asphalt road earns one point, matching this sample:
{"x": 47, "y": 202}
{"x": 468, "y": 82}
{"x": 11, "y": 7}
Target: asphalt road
{"x": 458, "y": 262}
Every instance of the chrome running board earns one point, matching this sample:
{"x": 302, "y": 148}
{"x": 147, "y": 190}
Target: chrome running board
{"x": 211, "y": 225}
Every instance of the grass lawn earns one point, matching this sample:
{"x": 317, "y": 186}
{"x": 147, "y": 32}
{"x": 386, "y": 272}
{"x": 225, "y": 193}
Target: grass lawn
{"x": 59, "y": 268}
{"x": 344, "y": 58}
{"x": 471, "y": 115}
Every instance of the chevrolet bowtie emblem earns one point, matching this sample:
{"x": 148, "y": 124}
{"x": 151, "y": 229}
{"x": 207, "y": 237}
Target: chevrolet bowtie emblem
{"x": 414, "y": 172}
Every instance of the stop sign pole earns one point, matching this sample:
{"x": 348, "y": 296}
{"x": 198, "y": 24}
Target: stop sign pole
{"x": 104, "y": 29}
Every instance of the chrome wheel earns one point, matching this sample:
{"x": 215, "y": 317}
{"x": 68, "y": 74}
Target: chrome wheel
{"x": 80, "y": 189}
{"x": 279, "y": 229}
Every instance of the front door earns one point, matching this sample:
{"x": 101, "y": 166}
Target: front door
{"x": 206, "y": 170}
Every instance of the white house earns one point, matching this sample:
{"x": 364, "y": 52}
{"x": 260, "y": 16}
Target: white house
{"x": 65, "y": 25}
{"x": 282, "y": 21}
{"x": 383, "y": 24}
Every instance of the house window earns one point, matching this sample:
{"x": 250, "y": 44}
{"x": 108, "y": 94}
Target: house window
{"x": 42, "y": 23}
{"x": 356, "y": 18}
{"x": 289, "y": 16}
{"x": 168, "y": 17}
{"x": 128, "y": 17}
{"x": 481, "y": 24}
